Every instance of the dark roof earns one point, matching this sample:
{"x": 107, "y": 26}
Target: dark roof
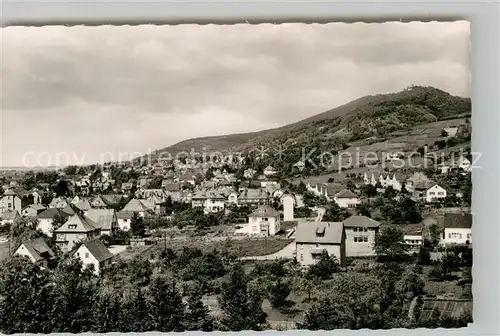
{"x": 50, "y": 213}
{"x": 462, "y": 221}
{"x": 319, "y": 232}
{"x": 361, "y": 221}
{"x": 38, "y": 249}
{"x": 97, "y": 249}
{"x": 264, "y": 211}
{"x": 346, "y": 193}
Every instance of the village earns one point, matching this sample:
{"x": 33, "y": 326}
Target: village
{"x": 109, "y": 215}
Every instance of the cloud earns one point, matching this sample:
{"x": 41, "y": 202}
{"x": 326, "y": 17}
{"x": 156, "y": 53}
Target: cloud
{"x": 124, "y": 88}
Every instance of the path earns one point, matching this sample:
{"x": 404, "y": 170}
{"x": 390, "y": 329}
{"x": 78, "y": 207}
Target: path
{"x": 117, "y": 249}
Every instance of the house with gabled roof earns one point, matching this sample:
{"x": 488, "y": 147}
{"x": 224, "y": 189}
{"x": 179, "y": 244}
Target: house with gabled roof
{"x": 106, "y": 218}
{"x": 77, "y": 228}
{"x": 141, "y": 207}
{"x": 252, "y": 196}
{"x": 346, "y": 199}
{"x": 329, "y": 190}
{"x": 263, "y": 221}
{"x": 312, "y": 239}
{"x": 360, "y": 236}
{"x": 58, "y": 202}
{"x": 457, "y": 229}
{"x": 46, "y": 219}
{"x": 270, "y": 171}
{"x": 15, "y": 199}
{"x": 123, "y": 219}
{"x": 93, "y": 253}
{"x": 32, "y": 210}
{"x": 211, "y": 201}
{"x": 37, "y": 251}
{"x": 83, "y": 204}
{"x": 435, "y": 193}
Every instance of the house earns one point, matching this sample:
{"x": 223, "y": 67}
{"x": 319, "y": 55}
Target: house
{"x": 15, "y": 199}
{"x": 435, "y": 193}
{"x": 83, "y": 204}
{"x": 270, "y": 171}
{"x": 418, "y": 182}
{"x": 232, "y": 197}
{"x": 413, "y": 237}
{"x": 253, "y": 196}
{"x": 211, "y": 201}
{"x": 249, "y": 173}
{"x": 37, "y": 251}
{"x": 105, "y": 201}
{"x": 312, "y": 239}
{"x": 360, "y": 236}
{"x": 124, "y": 219}
{"x": 457, "y": 229}
{"x": 32, "y": 210}
{"x": 106, "y": 218}
{"x": 127, "y": 186}
{"x": 450, "y": 131}
{"x": 58, "y": 202}
{"x": 315, "y": 188}
{"x": 386, "y": 180}
{"x": 46, "y": 219}
{"x": 93, "y": 253}
{"x": 464, "y": 164}
{"x": 329, "y": 190}
{"x": 263, "y": 221}
{"x": 139, "y": 206}
{"x": 9, "y": 217}
{"x": 170, "y": 186}
{"x": 77, "y": 228}
{"x": 346, "y": 199}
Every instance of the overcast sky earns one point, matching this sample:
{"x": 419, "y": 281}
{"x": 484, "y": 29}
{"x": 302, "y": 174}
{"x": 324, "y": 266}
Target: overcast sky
{"x": 85, "y": 91}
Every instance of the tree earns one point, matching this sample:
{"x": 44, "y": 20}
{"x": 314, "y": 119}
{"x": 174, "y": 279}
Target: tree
{"x": 334, "y": 213}
{"x": 137, "y": 225}
{"x": 167, "y": 305}
{"x": 106, "y": 312}
{"x": 435, "y": 234}
{"x": 390, "y": 192}
{"x": 135, "y": 313}
{"x": 198, "y": 316}
{"x": 369, "y": 190}
{"x": 390, "y": 245}
{"x": 363, "y": 209}
{"x": 325, "y": 267}
{"x": 26, "y": 297}
{"x": 241, "y": 306}
{"x": 278, "y": 292}
{"x": 62, "y": 188}
{"x": 424, "y": 256}
{"x": 301, "y": 189}
{"x": 322, "y": 316}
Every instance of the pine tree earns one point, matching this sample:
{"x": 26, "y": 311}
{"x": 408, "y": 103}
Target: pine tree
{"x": 242, "y": 307}
{"x": 198, "y": 315}
{"x": 167, "y": 306}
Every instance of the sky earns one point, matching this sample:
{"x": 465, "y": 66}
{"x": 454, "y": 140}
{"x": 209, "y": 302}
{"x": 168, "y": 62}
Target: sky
{"x": 80, "y": 95}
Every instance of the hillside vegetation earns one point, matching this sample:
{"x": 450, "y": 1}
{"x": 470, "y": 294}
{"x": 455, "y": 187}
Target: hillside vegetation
{"x": 372, "y": 116}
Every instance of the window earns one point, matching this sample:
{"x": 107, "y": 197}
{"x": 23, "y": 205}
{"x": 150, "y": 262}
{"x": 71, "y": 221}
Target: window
{"x": 72, "y": 226}
{"x": 301, "y": 257}
{"x": 440, "y": 193}
{"x": 355, "y": 239}
{"x": 86, "y": 254}
{"x": 125, "y": 220}
{"x": 432, "y": 193}
{"x": 355, "y": 229}
{"x": 365, "y": 229}
{"x": 365, "y": 239}
{"x": 469, "y": 235}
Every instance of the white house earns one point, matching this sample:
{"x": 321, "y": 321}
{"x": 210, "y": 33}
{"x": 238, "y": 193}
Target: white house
{"x": 211, "y": 201}
{"x": 232, "y": 198}
{"x": 346, "y": 199}
{"x": 464, "y": 164}
{"x": 263, "y": 221}
{"x": 386, "y": 180}
{"x": 457, "y": 229}
{"x": 93, "y": 252}
{"x": 9, "y": 217}
{"x": 413, "y": 237}
{"x": 123, "y": 219}
{"x": 46, "y": 219}
{"x": 435, "y": 193}
{"x": 32, "y": 210}
{"x": 312, "y": 239}
{"x": 36, "y": 250}
{"x": 269, "y": 171}
{"x": 315, "y": 188}
{"x": 360, "y": 236}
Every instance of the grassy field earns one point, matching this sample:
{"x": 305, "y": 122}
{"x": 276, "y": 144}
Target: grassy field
{"x": 239, "y": 247}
